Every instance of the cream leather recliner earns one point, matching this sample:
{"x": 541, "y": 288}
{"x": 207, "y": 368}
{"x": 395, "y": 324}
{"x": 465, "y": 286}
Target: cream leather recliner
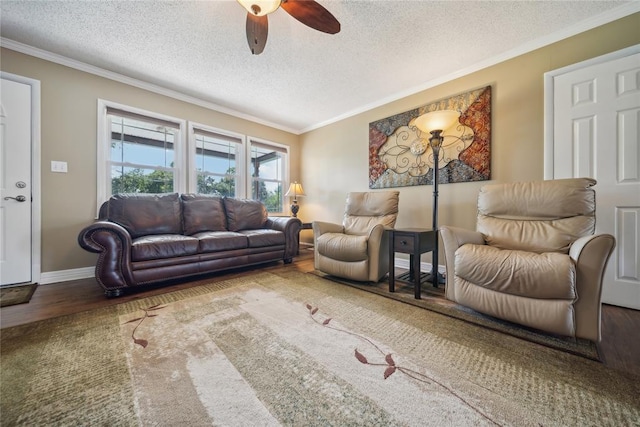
{"x": 357, "y": 249}
{"x": 534, "y": 259}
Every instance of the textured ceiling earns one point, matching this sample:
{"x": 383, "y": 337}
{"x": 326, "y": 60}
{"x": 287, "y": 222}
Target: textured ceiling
{"x": 304, "y": 78}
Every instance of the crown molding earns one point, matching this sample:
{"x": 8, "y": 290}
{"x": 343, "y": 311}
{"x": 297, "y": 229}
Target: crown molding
{"x": 582, "y": 26}
{"x": 82, "y": 66}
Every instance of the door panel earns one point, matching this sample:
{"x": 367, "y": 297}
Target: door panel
{"x": 15, "y": 182}
{"x": 596, "y": 133}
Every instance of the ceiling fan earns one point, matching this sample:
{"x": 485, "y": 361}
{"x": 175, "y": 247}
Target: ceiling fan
{"x": 309, "y": 12}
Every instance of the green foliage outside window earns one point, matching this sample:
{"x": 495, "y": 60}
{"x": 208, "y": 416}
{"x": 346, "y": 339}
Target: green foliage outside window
{"x": 136, "y": 181}
{"x": 225, "y": 187}
{"x": 271, "y": 199}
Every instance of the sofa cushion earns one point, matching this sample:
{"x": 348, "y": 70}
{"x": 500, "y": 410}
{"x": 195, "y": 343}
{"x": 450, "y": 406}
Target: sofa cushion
{"x": 163, "y": 246}
{"x": 203, "y": 213}
{"x": 146, "y": 214}
{"x": 343, "y": 247}
{"x": 263, "y": 237}
{"x": 214, "y": 241}
{"x": 546, "y": 276}
{"x": 244, "y": 214}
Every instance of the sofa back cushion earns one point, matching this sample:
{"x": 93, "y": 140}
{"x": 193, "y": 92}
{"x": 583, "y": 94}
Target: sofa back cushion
{"x": 203, "y": 213}
{"x": 539, "y": 216}
{"x": 146, "y": 214}
{"x": 244, "y": 214}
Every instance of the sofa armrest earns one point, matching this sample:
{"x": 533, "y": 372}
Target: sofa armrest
{"x": 452, "y": 239}
{"x": 290, "y": 226}
{"x": 112, "y": 243}
{"x": 591, "y": 254}
{"x": 284, "y": 223}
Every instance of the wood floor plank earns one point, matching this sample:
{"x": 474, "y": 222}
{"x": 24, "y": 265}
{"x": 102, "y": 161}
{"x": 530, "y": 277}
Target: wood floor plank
{"x": 619, "y": 348}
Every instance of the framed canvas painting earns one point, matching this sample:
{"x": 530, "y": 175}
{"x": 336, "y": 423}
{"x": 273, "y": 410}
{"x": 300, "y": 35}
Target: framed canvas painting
{"x": 400, "y": 155}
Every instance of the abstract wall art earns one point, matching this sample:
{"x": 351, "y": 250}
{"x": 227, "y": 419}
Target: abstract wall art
{"x": 400, "y": 155}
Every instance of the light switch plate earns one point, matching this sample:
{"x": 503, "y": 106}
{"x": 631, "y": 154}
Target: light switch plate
{"x": 57, "y": 166}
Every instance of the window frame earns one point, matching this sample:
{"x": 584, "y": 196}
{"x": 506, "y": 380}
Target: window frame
{"x": 184, "y": 151}
{"x": 241, "y": 187}
{"x": 103, "y": 148}
{"x": 285, "y": 173}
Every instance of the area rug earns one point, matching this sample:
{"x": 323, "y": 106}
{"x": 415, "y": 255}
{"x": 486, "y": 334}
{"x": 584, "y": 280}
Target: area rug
{"x": 12, "y": 295}
{"x": 293, "y": 349}
{"x": 439, "y": 304}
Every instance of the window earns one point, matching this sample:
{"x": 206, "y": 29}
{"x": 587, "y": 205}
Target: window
{"x": 144, "y": 152}
{"x": 139, "y": 152}
{"x": 268, "y": 168}
{"x": 218, "y": 162}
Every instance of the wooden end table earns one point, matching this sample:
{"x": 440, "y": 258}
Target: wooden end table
{"x": 412, "y": 241}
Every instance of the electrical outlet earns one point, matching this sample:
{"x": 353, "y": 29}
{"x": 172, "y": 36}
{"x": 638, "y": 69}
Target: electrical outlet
{"x": 57, "y": 166}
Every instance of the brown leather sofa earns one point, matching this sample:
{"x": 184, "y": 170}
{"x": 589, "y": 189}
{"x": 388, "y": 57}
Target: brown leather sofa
{"x": 145, "y": 239}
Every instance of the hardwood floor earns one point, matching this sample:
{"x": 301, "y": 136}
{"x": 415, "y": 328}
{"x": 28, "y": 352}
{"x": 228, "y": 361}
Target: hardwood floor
{"x": 619, "y": 348}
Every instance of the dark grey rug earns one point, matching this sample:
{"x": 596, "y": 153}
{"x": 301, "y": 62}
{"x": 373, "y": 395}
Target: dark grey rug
{"x": 434, "y": 300}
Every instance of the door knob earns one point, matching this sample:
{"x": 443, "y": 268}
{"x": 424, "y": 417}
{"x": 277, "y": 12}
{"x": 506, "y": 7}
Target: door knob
{"x": 17, "y": 198}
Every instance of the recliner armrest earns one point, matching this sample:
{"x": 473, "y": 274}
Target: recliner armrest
{"x": 452, "y": 239}
{"x": 591, "y": 254}
{"x": 378, "y": 241}
{"x": 319, "y": 228}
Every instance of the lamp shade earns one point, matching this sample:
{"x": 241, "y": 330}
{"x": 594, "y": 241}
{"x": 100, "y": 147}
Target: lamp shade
{"x": 437, "y": 120}
{"x": 295, "y": 190}
{"x": 260, "y": 7}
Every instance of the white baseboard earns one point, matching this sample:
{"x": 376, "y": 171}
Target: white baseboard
{"x": 66, "y": 275}
{"x": 424, "y": 266}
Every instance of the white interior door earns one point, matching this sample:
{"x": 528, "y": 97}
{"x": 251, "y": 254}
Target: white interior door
{"x": 15, "y": 182}
{"x": 595, "y": 132}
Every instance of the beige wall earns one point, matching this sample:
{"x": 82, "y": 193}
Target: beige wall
{"x": 329, "y": 161}
{"x": 69, "y": 121}
{"x": 340, "y": 151}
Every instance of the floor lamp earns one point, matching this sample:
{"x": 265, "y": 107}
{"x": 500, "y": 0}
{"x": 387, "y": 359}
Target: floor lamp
{"x": 435, "y": 123}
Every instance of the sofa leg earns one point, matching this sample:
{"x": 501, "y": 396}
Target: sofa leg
{"x": 288, "y": 260}
{"x": 112, "y": 293}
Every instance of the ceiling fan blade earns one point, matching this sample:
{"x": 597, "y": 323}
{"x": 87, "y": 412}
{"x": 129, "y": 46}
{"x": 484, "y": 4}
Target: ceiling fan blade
{"x": 312, "y": 14}
{"x": 257, "y": 31}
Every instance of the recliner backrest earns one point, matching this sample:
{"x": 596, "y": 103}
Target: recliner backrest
{"x": 538, "y": 216}
{"x": 364, "y": 210}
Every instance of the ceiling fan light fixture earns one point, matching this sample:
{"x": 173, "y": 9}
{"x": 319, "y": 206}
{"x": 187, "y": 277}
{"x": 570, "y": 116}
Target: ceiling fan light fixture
{"x": 260, "y": 7}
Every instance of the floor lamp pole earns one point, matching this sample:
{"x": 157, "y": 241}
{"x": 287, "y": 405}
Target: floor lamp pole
{"x": 434, "y": 262}
{"x": 435, "y": 122}
{"x": 436, "y": 142}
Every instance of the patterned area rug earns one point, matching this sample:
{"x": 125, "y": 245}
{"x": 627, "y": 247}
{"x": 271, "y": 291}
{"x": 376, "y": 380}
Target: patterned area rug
{"x": 294, "y": 349}
{"x": 12, "y": 295}
{"x": 441, "y": 305}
